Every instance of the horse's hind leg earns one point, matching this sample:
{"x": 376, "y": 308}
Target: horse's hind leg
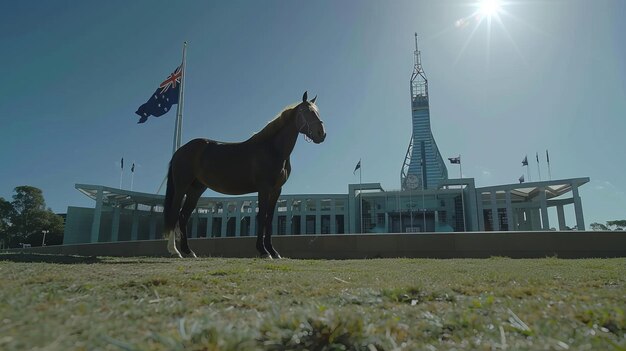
{"x": 267, "y": 240}
{"x": 193, "y": 194}
{"x": 171, "y": 211}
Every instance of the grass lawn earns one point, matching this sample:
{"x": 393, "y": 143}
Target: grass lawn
{"x": 74, "y": 303}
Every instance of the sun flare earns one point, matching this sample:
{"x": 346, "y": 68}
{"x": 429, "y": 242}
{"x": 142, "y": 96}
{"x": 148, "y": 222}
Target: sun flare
{"x": 489, "y": 8}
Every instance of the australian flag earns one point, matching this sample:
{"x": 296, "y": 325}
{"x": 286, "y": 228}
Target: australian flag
{"x": 454, "y": 160}
{"x": 163, "y": 98}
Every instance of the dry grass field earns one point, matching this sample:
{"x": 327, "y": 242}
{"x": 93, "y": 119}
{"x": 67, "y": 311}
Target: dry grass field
{"x": 100, "y": 303}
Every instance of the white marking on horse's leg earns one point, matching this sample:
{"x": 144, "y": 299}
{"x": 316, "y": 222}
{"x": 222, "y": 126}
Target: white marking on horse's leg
{"x": 171, "y": 244}
{"x": 178, "y": 231}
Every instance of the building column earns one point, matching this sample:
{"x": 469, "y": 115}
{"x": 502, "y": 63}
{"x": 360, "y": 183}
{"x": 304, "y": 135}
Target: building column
{"x": 253, "y": 219}
{"x": 578, "y": 208}
{"x": 318, "y": 217}
{"x": 480, "y": 210}
{"x": 288, "y": 215}
{"x": 388, "y": 230}
{"x": 536, "y": 218}
{"x": 209, "y": 224}
{"x": 194, "y": 224}
{"x": 152, "y": 224}
{"x": 545, "y": 221}
{"x": 303, "y": 219}
{"x": 224, "y": 220}
{"x": 134, "y": 230}
{"x": 333, "y": 217}
{"x": 495, "y": 221}
{"x": 238, "y": 218}
{"x": 115, "y": 225}
{"x": 509, "y": 211}
{"x": 561, "y": 215}
{"x": 97, "y": 215}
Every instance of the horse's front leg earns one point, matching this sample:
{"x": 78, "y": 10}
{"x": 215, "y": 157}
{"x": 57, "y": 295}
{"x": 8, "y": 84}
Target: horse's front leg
{"x": 267, "y": 240}
{"x": 261, "y": 220}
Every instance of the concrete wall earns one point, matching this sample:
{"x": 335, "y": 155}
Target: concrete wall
{"x": 78, "y": 225}
{"x": 572, "y": 244}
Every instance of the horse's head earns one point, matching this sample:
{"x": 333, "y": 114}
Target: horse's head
{"x": 308, "y": 120}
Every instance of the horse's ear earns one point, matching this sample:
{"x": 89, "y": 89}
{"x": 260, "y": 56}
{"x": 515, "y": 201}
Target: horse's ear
{"x": 313, "y": 101}
{"x": 304, "y": 97}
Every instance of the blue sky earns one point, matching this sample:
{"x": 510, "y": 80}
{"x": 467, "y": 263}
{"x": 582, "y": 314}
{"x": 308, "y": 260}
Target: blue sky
{"x": 551, "y": 75}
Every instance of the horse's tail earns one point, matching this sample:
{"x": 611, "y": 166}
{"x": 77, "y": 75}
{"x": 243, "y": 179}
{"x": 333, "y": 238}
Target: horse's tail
{"x": 168, "y": 204}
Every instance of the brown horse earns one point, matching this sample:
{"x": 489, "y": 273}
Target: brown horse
{"x": 259, "y": 164}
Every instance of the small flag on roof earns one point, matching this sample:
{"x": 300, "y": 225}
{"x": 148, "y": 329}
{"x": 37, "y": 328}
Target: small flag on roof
{"x": 358, "y": 165}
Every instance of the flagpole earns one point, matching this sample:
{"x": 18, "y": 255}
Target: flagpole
{"x": 361, "y": 193}
{"x": 411, "y": 207}
{"x": 548, "y": 160}
{"x": 121, "y": 171}
{"x": 462, "y": 191}
{"x": 538, "y": 168}
{"x": 132, "y": 176}
{"x": 179, "y": 110}
{"x": 423, "y": 202}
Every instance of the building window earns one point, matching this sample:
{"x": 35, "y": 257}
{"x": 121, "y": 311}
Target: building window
{"x": 245, "y": 227}
{"x": 310, "y": 224}
{"x": 488, "y": 218}
{"x": 503, "y": 219}
{"x": 325, "y": 229}
{"x": 326, "y": 205}
{"x": 296, "y": 206}
{"x": 310, "y": 205}
{"x": 230, "y": 226}
{"x": 339, "y": 229}
{"x": 340, "y": 205}
{"x": 216, "y": 227}
{"x": 281, "y": 225}
{"x": 380, "y": 220}
{"x": 202, "y": 226}
{"x": 295, "y": 225}
{"x": 281, "y": 206}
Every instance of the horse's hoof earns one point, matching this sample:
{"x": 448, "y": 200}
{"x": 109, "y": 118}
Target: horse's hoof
{"x": 266, "y": 256}
{"x": 276, "y": 255}
{"x": 176, "y": 255}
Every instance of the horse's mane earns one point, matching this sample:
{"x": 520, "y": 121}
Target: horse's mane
{"x": 274, "y": 125}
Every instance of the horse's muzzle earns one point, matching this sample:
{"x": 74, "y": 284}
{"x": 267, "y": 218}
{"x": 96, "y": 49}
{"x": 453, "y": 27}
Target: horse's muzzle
{"x": 320, "y": 138}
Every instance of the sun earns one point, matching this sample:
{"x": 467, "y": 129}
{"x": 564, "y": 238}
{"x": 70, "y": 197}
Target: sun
{"x": 489, "y": 8}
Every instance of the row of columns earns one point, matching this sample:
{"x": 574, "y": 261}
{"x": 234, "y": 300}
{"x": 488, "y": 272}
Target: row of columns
{"x": 530, "y": 211}
{"x": 225, "y": 216}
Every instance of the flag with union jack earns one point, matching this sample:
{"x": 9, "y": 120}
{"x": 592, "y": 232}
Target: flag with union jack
{"x": 163, "y": 98}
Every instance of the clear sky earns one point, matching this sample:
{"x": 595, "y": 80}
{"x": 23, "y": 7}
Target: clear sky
{"x": 547, "y": 75}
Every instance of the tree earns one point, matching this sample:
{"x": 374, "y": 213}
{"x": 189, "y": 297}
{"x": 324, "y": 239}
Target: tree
{"x": 617, "y": 225}
{"x": 29, "y": 218}
{"x": 6, "y": 211}
{"x": 610, "y": 225}
{"x": 598, "y": 226}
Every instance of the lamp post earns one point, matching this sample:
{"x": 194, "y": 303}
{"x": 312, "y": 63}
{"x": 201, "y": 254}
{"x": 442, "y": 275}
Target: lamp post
{"x": 43, "y": 241}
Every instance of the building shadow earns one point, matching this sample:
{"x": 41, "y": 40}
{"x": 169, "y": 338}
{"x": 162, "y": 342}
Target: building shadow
{"x": 47, "y": 258}
{"x": 23, "y": 257}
